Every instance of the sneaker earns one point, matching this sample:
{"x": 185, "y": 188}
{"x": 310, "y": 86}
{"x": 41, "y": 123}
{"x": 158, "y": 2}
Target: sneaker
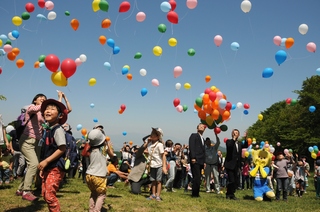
{"x": 208, "y": 191}
{"x": 19, "y": 192}
{"x": 152, "y": 197}
{"x": 189, "y": 188}
{"x": 172, "y": 190}
{"x": 158, "y": 199}
{"x": 218, "y": 192}
{"x": 29, "y": 196}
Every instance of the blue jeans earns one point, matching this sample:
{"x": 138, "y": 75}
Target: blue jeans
{"x": 112, "y": 178}
{"x": 171, "y": 174}
{"x": 282, "y": 185}
{"x": 5, "y": 175}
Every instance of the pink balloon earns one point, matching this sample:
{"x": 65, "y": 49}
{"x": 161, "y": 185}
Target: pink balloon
{"x": 49, "y": 5}
{"x": 155, "y": 82}
{"x": 191, "y": 4}
{"x": 311, "y": 47}
{"x": 141, "y": 16}
{"x": 217, "y": 40}
{"x": 278, "y": 144}
{"x": 179, "y": 108}
{"x": 177, "y": 71}
{"x": 78, "y": 61}
{"x": 286, "y": 151}
{"x": 7, "y": 48}
{"x": 123, "y": 107}
{"x": 277, "y": 40}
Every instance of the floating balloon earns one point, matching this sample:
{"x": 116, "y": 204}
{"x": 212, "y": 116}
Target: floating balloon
{"x": 138, "y": 55}
{"x": 11, "y": 56}
{"x": 283, "y": 41}
{"x": 0, "y": 70}
{"x": 105, "y": 23}
{"x": 191, "y": 52}
{"x": 92, "y": 81}
{"x": 41, "y": 58}
{"x": 143, "y": 72}
{"x": 124, "y": 70}
{"x": 177, "y": 71}
{"x": 178, "y": 86}
{"x": 245, "y": 112}
{"x": 172, "y": 17}
{"x": 41, "y": 17}
{"x": 267, "y": 72}
{"x": 173, "y": 4}
{"x": 116, "y": 50}
{"x": 245, "y": 6}
{"x": 123, "y": 107}
{"x": 10, "y": 36}
{"x": 207, "y": 78}
{"x": 107, "y": 65}
{"x": 3, "y": 38}
{"x": 246, "y": 106}
{"x": 67, "y": 13}
{"x": 124, "y": 7}
{"x": 17, "y": 21}
{"x": 124, "y": 133}
{"x": 288, "y": 101}
{"x": 280, "y": 56}
{"x": 103, "y": 5}
{"x": 176, "y": 102}
{"x": 15, "y": 33}
{"x": 191, "y": 4}
{"x": 155, "y": 82}
{"x": 185, "y": 108}
{"x": 95, "y": 5}
{"x": 187, "y": 86}
{"x": 52, "y": 62}
{"x": 311, "y": 47}
{"x": 49, "y": 5}
{"x": 289, "y": 43}
{"x": 303, "y": 29}
{"x": 59, "y": 79}
{"x": 68, "y": 67}
{"x": 165, "y": 6}
{"x": 312, "y": 109}
{"x": 110, "y": 42}
{"x": 141, "y": 16}
{"x": 95, "y": 120}
{"x": 29, "y": 7}
{"x": 83, "y": 58}
{"x": 129, "y": 76}
{"x": 277, "y": 40}
{"x": 7, "y": 48}
{"x": 293, "y": 102}
{"x": 172, "y": 42}
{"x": 92, "y": 105}
{"x": 143, "y": 91}
{"x": 235, "y": 46}
{"x": 52, "y": 15}
{"x": 79, "y": 127}
{"x": 157, "y": 50}
{"x": 84, "y": 131}
{"x": 179, "y": 108}
{"x": 239, "y": 105}
{"x": 102, "y": 39}
{"x": 20, "y": 63}
{"x": 74, "y": 24}
{"x": 217, "y": 40}
{"x": 318, "y": 71}
{"x": 162, "y": 28}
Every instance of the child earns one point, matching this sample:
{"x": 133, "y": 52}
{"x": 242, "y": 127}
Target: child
{"x": 171, "y": 164}
{"x": 53, "y": 149}
{"x": 6, "y": 164}
{"x": 97, "y": 169}
{"x": 299, "y": 178}
{"x": 157, "y": 162}
{"x": 113, "y": 172}
{"x": 80, "y": 169}
{"x": 317, "y": 177}
{"x": 245, "y": 174}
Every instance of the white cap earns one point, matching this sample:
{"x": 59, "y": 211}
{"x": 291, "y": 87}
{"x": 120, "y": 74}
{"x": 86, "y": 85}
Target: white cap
{"x": 9, "y": 128}
{"x": 159, "y": 131}
{"x": 96, "y": 137}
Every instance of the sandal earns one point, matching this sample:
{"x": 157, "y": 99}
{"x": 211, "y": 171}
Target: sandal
{"x": 152, "y": 197}
{"x": 158, "y": 199}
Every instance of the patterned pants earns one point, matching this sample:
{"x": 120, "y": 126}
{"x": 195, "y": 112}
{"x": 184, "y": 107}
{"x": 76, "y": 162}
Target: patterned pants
{"x": 50, "y": 186}
{"x": 98, "y": 188}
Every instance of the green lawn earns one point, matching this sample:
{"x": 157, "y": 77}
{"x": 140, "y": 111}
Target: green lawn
{"x": 74, "y": 197}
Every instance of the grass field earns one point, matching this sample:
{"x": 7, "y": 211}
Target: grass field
{"x": 74, "y": 196}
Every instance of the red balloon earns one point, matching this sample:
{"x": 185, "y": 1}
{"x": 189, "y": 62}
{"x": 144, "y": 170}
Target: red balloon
{"x": 52, "y": 62}
{"x": 225, "y": 140}
{"x": 228, "y": 106}
{"x": 124, "y": 7}
{"x": 288, "y": 101}
{"x": 29, "y": 7}
{"x": 123, "y": 107}
{"x": 212, "y": 96}
{"x": 68, "y": 67}
{"x": 172, "y": 17}
{"x": 173, "y": 4}
{"x": 246, "y": 106}
{"x": 41, "y": 3}
{"x": 273, "y": 157}
{"x": 217, "y": 130}
{"x": 176, "y": 102}
{"x": 207, "y": 90}
{"x": 0, "y": 70}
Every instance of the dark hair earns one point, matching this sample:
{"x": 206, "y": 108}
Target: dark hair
{"x": 113, "y": 159}
{"x": 37, "y": 96}
{"x": 176, "y": 144}
{"x": 57, "y": 106}
{"x": 169, "y": 143}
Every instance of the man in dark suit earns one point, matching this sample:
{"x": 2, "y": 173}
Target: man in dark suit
{"x": 232, "y": 163}
{"x": 197, "y": 157}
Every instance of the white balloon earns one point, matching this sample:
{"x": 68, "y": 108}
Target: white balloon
{"x": 143, "y": 72}
{"x": 10, "y": 36}
{"x": 246, "y": 6}
{"x": 83, "y": 58}
{"x": 52, "y": 15}
{"x": 239, "y": 105}
{"x": 178, "y": 86}
{"x": 303, "y": 29}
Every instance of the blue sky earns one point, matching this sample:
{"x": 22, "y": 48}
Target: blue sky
{"x": 238, "y": 74}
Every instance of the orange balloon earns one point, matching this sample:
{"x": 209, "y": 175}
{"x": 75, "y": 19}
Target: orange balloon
{"x": 36, "y": 64}
{"x": 74, "y": 24}
{"x": 102, "y": 39}
{"x": 83, "y": 131}
{"x": 207, "y": 78}
{"x": 107, "y": 138}
{"x": 225, "y": 115}
{"x": 202, "y": 115}
{"x": 215, "y": 114}
{"x": 205, "y": 99}
{"x": 289, "y": 43}
{"x": 20, "y": 63}
{"x": 196, "y": 107}
{"x": 16, "y": 51}
{"x": 129, "y": 76}
{"x": 130, "y": 142}
{"x": 249, "y": 141}
{"x": 208, "y": 109}
{"x": 215, "y": 104}
{"x": 120, "y": 111}
{"x": 106, "y": 23}
{"x": 11, "y": 56}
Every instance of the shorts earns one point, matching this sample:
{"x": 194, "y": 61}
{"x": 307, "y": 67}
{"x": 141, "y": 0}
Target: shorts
{"x": 155, "y": 174}
{"x": 97, "y": 184}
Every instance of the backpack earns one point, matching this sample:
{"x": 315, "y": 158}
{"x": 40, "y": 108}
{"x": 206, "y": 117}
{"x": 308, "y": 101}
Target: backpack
{"x": 70, "y": 158}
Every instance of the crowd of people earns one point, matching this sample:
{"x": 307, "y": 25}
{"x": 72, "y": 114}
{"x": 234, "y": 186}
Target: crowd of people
{"x": 37, "y": 158}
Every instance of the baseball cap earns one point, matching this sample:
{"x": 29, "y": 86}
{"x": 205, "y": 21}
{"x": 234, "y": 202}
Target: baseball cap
{"x": 9, "y": 128}
{"x": 96, "y": 137}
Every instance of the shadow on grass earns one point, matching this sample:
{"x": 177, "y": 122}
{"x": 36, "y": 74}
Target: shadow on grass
{"x": 113, "y": 196}
{"x": 70, "y": 192}
{"x": 35, "y": 206}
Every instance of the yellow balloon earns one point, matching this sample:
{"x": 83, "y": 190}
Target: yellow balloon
{"x": 0, "y": 42}
{"x": 16, "y": 20}
{"x": 213, "y": 88}
{"x": 246, "y": 154}
{"x": 92, "y": 81}
{"x": 127, "y": 66}
{"x": 209, "y": 120}
{"x": 157, "y": 50}
{"x": 187, "y": 86}
{"x": 313, "y": 155}
{"x": 59, "y": 79}
{"x": 172, "y": 42}
{"x": 95, "y": 5}
{"x": 260, "y": 117}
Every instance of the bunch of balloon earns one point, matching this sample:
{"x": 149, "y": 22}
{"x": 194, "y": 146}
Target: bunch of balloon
{"x": 314, "y": 152}
{"x": 122, "y": 108}
{"x": 213, "y": 109}
{"x": 172, "y": 16}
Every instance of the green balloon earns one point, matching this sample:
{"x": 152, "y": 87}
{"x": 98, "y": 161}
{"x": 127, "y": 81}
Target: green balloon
{"x": 25, "y": 15}
{"x": 224, "y": 128}
{"x": 138, "y": 55}
{"x": 185, "y": 108}
{"x": 41, "y": 58}
{"x": 191, "y": 52}
{"x": 293, "y": 102}
{"x": 199, "y": 101}
{"x": 67, "y": 13}
{"x": 203, "y": 122}
{"x": 8, "y": 42}
{"x": 103, "y": 5}
{"x": 212, "y": 126}
{"x": 162, "y": 28}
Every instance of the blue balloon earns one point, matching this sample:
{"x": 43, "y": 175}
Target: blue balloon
{"x": 116, "y": 50}
{"x": 41, "y": 64}
{"x": 235, "y": 46}
{"x": 79, "y": 127}
{"x": 125, "y": 70}
{"x": 283, "y": 41}
{"x": 4, "y": 38}
{"x": 92, "y": 105}
{"x": 110, "y": 42}
{"x": 41, "y": 17}
{"x": 281, "y": 56}
{"x": 318, "y": 71}
{"x": 267, "y": 72}
{"x": 124, "y": 133}
{"x": 310, "y": 149}
{"x": 144, "y": 91}
{"x": 107, "y": 65}
{"x": 312, "y": 109}
{"x": 95, "y": 120}
{"x": 2, "y": 52}
{"x": 15, "y": 34}
{"x": 165, "y": 6}
{"x": 245, "y": 112}
{"x": 195, "y": 111}
{"x": 233, "y": 106}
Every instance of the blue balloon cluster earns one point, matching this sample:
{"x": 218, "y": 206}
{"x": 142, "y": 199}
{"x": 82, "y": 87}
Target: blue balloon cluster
{"x": 111, "y": 43}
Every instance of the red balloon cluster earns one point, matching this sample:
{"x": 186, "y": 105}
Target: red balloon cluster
{"x": 68, "y": 66}
{"x": 172, "y": 16}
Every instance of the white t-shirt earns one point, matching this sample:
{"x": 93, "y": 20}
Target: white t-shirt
{"x": 156, "y": 152}
{"x": 59, "y": 136}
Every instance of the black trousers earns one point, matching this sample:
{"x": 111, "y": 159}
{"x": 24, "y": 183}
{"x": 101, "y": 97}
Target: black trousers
{"x": 196, "y": 174}
{"x": 232, "y": 181}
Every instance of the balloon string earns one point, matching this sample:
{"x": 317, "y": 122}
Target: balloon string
{"x": 184, "y": 16}
{"x": 115, "y": 24}
{"x": 4, "y": 10}
{"x": 298, "y": 58}
{"x": 160, "y": 39}
{"x": 224, "y": 65}
{"x": 172, "y": 29}
{"x": 136, "y": 4}
{"x": 130, "y": 14}
{"x": 253, "y": 35}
